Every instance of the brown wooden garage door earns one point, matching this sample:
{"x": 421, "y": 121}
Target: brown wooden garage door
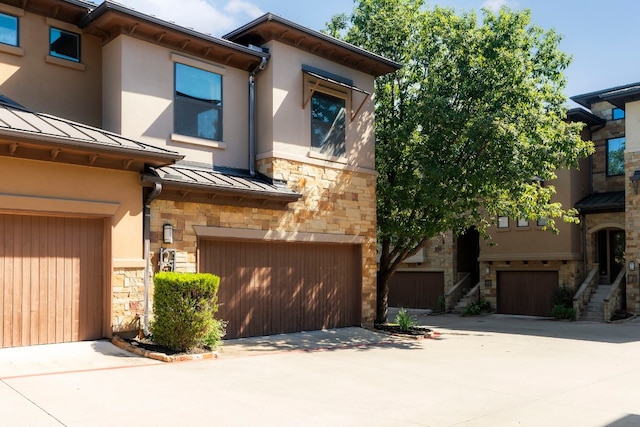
{"x": 417, "y": 289}
{"x": 270, "y": 288}
{"x": 51, "y": 279}
{"x": 526, "y": 292}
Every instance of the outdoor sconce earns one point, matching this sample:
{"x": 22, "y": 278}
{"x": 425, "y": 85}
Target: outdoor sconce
{"x": 634, "y": 180}
{"x": 167, "y": 233}
{"x": 487, "y": 270}
{"x": 632, "y": 265}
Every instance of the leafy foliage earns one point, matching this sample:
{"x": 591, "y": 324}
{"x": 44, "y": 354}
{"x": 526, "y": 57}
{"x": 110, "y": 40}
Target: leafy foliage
{"x": 184, "y": 305}
{"x": 563, "y": 304}
{"x": 561, "y": 312}
{"x": 476, "y": 308}
{"x": 468, "y": 129}
{"x": 404, "y": 320}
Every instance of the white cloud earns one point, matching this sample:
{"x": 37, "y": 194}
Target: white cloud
{"x": 242, "y": 7}
{"x": 200, "y": 15}
{"x": 495, "y": 5}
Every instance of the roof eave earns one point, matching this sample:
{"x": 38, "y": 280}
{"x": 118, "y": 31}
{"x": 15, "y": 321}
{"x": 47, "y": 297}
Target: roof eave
{"x": 387, "y": 65}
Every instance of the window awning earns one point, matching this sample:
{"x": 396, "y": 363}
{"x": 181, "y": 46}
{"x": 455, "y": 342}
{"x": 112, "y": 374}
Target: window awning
{"x": 334, "y": 80}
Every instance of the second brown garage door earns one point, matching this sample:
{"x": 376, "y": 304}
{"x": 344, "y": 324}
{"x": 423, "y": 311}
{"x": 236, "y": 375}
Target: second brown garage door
{"x": 270, "y": 288}
{"x": 417, "y": 289}
{"x": 51, "y": 279}
{"x": 526, "y": 292}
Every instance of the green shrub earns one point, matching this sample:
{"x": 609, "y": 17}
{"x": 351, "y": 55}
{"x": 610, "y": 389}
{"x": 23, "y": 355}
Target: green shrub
{"x": 184, "y": 305}
{"x": 404, "y": 320}
{"x": 442, "y": 303}
{"x": 476, "y": 308}
{"x": 563, "y": 296}
{"x": 563, "y": 313}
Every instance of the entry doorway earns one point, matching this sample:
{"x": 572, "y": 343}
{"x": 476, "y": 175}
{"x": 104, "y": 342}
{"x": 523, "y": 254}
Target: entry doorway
{"x": 611, "y": 248}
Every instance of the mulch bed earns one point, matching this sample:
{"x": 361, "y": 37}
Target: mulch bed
{"x": 150, "y": 345}
{"x": 412, "y": 332}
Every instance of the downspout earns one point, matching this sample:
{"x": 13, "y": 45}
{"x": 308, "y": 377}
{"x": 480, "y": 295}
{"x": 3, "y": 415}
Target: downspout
{"x": 146, "y": 231}
{"x": 252, "y": 115}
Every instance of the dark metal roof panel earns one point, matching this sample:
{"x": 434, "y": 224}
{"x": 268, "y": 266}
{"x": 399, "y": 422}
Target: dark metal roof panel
{"x": 587, "y": 117}
{"x": 25, "y": 122}
{"x": 602, "y": 202}
{"x": 586, "y": 99}
{"x": 208, "y": 178}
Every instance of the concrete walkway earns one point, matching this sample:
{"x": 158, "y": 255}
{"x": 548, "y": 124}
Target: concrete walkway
{"x": 481, "y": 371}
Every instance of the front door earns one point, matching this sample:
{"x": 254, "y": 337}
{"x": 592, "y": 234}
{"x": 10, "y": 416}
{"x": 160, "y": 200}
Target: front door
{"x": 611, "y": 247}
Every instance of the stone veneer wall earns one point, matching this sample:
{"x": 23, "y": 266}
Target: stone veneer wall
{"x": 127, "y": 307}
{"x": 340, "y": 202}
{"x": 612, "y": 129}
{"x": 632, "y": 223}
{"x": 570, "y": 274}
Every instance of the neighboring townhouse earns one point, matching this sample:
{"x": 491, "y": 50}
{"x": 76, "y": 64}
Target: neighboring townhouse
{"x": 522, "y": 265}
{"x": 145, "y": 143}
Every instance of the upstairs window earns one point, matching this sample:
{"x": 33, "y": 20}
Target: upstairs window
{"x": 198, "y": 103}
{"x": 64, "y": 44}
{"x": 503, "y": 221}
{"x": 617, "y": 113}
{"x": 328, "y": 124}
{"x": 523, "y": 222}
{"x": 615, "y": 156}
{"x": 8, "y": 29}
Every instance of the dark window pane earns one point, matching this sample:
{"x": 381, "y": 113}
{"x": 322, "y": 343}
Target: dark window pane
{"x": 328, "y": 124}
{"x": 615, "y": 156}
{"x": 617, "y": 113}
{"x": 8, "y": 29}
{"x": 64, "y": 44}
{"x": 198, "y": 103}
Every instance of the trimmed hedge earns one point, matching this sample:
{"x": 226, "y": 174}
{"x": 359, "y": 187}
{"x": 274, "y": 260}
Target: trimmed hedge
{"x": 184, "y": 305}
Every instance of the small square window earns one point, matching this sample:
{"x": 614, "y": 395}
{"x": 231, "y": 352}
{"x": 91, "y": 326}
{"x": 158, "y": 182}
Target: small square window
{"x": 615, "y": 156}
{"x": 543, "y": 222}
{"x": 523, "y": 222}
{"x": 503, "y": 222}
{"x": 328, "y": 124}
{"x": 198, "y": 103}
{"x": 617, "y": 113}
{"x": 64, "y": 44}
{"x": 8, "y": 29}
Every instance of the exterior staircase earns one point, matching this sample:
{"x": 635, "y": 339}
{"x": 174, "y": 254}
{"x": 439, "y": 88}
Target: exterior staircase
{"x": 595, "y": 310}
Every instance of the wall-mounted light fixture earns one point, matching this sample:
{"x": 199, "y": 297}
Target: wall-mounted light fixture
{"x": 634, "y": 180}
{"x": 632, "y": 265}
{"x": 487, "y": 270}
{"x": 167, "y": 233}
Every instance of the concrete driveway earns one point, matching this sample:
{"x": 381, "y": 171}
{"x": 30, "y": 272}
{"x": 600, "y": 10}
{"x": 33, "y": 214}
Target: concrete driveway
{"x": 481, "y": 371}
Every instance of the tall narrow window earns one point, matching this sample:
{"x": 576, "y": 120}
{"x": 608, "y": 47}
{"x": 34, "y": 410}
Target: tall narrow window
{"x": 8, "y": 29}
{"x": 198, "y": 103}
{"x": 328, "y": 120}
{"x": 64, "y": 44}
{"x": 617, "y": 113}
{"x": 615, "y": 156}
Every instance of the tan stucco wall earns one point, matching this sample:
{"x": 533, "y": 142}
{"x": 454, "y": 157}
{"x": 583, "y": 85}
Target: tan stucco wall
{"x": 138, "y": 101}
{"x": 284, "y": 128}
{"x": 41, "y": 85}
{"x": 67, "y": 189}
{"x": 534, "y": 243}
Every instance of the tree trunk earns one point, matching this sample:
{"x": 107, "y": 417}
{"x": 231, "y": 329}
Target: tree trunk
{"x": 382, "y": 301}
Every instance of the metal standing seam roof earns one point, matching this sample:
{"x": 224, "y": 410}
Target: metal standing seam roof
{"x": 602, "y": 202}
{"x": 209, "y": 179}
{"x": 17, "y": 121}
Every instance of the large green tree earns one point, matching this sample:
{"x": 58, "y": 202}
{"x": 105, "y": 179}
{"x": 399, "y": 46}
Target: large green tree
{"x": 473, "y": 125}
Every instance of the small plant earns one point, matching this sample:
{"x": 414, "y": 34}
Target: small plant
{"x": 563, "y": 304}
{"x": 404, "y": 320}
{"x": 442, "y": 303}
{"x": 561, "y": 312}
{"x": 476, "y": 308}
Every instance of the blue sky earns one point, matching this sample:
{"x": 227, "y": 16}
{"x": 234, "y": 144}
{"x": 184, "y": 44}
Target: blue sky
{"x": 601, "y": 35}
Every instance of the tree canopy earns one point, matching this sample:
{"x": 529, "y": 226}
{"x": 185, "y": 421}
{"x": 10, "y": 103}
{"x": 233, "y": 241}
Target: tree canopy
{"x": 469, "y": 128}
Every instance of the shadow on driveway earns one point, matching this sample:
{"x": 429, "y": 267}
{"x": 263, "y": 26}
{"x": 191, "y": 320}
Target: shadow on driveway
{"x": 353, "y": 338}
{"x": 613, "y": 333}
